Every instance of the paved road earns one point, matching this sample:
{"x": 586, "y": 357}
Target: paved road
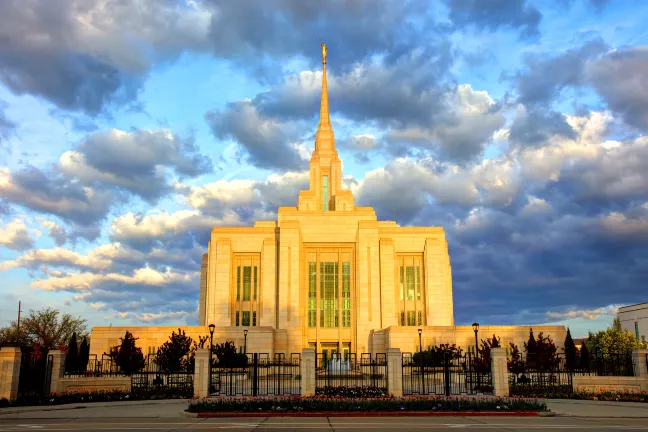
{"x": 328, "y": 424}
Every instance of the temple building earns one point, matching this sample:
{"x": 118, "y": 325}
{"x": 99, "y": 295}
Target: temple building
{"x": 326, "y": 274}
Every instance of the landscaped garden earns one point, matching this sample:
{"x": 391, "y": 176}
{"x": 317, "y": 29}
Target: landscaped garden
{"x": 327, "y": 404}
{"x": 565, "y": 392}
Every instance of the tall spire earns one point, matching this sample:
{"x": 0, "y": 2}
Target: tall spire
{"x": 324, "y": 137}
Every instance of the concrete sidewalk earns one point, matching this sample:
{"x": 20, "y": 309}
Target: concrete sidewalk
{"x": 597, "y": 409}
{"x": 121, "y": 409}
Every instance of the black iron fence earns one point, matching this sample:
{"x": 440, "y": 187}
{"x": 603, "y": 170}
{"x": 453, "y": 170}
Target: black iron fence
{"x": 555, "y": 372}
{"x": 260, "y": 376}
{"x": 35, "y": 374}
{"x": 346, "y": 370}
{"x": 106, "y": 366}
{"x": 153, "y": 379}
{"x": 444, "y": 373}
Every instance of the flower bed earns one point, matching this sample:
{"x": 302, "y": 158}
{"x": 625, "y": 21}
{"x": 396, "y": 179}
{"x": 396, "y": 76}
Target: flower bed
{"x": 315, "y": 404}
{"x": 565, "y": 392}
{"x": 352, "y": 392}
{"x": 99, "y": 396}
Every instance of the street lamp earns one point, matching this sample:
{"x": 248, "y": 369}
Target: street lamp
{"x": 245, "y": 341}
{"x": 420, "y": 331}
{"x": 475, "y": 327}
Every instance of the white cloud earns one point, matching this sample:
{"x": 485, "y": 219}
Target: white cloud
{"x": 16, "y": 235}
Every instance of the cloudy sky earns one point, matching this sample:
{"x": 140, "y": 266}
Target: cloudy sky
{"x": 128, "y": 128}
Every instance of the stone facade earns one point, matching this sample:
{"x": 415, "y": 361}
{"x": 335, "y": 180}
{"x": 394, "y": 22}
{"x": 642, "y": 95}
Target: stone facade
{"x": 326, "y": 274}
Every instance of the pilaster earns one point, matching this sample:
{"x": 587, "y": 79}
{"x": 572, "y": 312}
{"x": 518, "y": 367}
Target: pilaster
{"x": 387, "y": 283}
{"x": 394, "y": 372}
{"x": 10, "y": 358}
{"x": 58, "y": 369}
{"x": 499, "y": 372}
{"x": 202, "y": 371}
{"x": 269, "y": 283}
{"x": 438, "y": 283}
{"x": 221, "y": 299}
{"x": 308, "y": 372}
{"x": 640, "y": 363}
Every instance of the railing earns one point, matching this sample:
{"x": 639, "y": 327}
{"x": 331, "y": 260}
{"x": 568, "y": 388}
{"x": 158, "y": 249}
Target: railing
{"x": 106, "y": 367}
{"x": 346, "y": 370}
{"x": 35, "y": 374}
{"x": 446, "y": 374}
{"x": 261, "y": 376}
{"x": 154, "y": 379}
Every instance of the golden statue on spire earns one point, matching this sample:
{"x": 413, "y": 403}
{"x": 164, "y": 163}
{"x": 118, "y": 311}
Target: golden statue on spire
{"x": 323, "y": 45}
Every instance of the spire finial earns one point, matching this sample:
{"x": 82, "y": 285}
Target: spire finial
{"x": 323, "y": 45}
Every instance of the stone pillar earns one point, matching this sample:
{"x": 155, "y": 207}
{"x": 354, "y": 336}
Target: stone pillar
{"x": 10, "y": 358}
{"x": 202, "y": 373}
{"x": 58, "y": 370}
{"x": 640, "y": 362}
{"x": 308, "y": 372}
{"x": 394, "y": 372}
{"x": 499, "y": 372}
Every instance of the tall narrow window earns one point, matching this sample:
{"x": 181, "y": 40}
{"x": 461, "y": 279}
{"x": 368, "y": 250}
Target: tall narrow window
{"x": 346, "y": 294}
{"x": 409, "y": 280}
{"x": 255, "y": 281}
{"x": 238, "y": 283}
{"x": 410, "y": 318}
{"x": 246, "y": 318}
{"x": 402, "y": 320}
{"x": 247, "y": 281}
{"x": 637, "y": 330}
{"x": 420, "y": 318}
{"x": 329, "y": 294}
{"x": 402, "y": 288}
{"x": 325, "y": 193}
{"x": 418, "y": 283}
{"x": 312, "y": 294}
{"x": 238, "y": 315}
{"x": 253, "y": 319}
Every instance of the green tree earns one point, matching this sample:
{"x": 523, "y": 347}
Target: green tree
{"x": 435, "y": 356}
{"x": 515, "y": 361}
{"x": 51, "y": 329}
{"x": 570, "y": 352}
{"x": 176, "y": 354}
{"x": 72, "y": 356}
{"x": 84, "y": 355}
{"x": 613, "y": 340}
{"x": 227, "y": 356}
{"x": 12, "y": 335}
{"x": 128, "y": 355}
{"x": 541, "y": 353}
{"x": 584, "y": 360}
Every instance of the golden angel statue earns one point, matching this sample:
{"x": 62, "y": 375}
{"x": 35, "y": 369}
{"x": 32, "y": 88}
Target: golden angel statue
{"x": 323, "y": 52}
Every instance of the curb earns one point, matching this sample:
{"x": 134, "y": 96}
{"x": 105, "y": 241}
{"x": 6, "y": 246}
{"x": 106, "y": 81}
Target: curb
{"x": 76, "y": 406}
{"x": 371, "y": 414}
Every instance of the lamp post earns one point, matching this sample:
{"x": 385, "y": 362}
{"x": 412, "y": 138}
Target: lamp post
{"x": 211, "y": 344}
{"x": 475, "y": 327}
{"x": 245, "y": 341}
{"x": 420, "y": 332}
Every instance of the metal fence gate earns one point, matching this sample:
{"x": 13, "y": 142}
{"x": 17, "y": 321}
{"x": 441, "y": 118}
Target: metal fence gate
{"x": 152, "y": 379}
{"x": 259, "y": 376}
{"x": 346, "y": 370}
{"x": 444, "y": 374}
{"x": 35, "y": 374}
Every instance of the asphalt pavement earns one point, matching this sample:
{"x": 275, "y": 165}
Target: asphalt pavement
{"x": 326, "y": 424}
{"x": 170, "y": 415}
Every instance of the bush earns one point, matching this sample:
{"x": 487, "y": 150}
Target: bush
{"x": 4, "y": 402}
{"x": 351, "y": 392}
{"x": 380, "y": 404}
{"x": 227, "y": 356}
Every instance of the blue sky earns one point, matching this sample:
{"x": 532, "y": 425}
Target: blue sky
{"x": 128, "y": 129}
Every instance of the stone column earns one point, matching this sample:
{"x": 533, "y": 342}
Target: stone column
{"x": 202, "y": 373}
{"x": 58, "y": 370}
{"x": 308, "y": 372}
{"x": 394, "y": 372}
{"x": 10, "y": 358}
{"x": 640, "y": 362}
{"x": 499, "y": 372}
